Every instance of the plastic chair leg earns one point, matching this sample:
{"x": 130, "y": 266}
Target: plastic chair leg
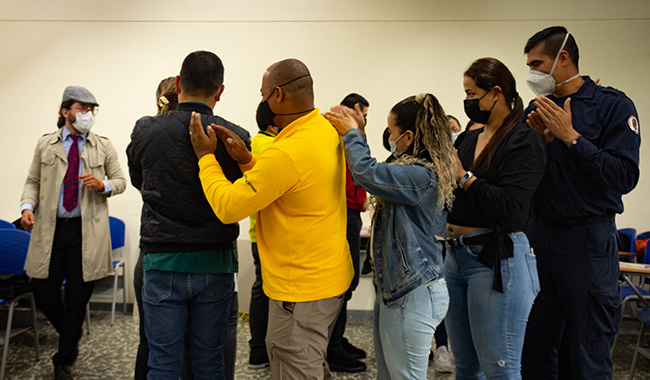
{"x": 636, "y": 351}
{"x": 115, "y": 280}
{"x": 5, "y": 349}
{"x": 123, "y": 289}
{"x": 35, "y": 327}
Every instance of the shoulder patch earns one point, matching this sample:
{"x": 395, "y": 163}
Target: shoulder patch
{"x": 633, "y": 123}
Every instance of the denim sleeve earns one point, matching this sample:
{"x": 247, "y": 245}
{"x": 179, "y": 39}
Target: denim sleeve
{"x": 404, "y": 184}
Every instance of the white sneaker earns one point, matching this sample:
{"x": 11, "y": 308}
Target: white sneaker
{"x": 442, "y": 360}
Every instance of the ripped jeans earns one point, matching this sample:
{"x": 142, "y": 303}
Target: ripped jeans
{"x": 486, "y": 328}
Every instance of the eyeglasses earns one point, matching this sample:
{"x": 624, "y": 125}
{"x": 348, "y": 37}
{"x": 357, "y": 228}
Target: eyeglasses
{"x": 85, "y": 109}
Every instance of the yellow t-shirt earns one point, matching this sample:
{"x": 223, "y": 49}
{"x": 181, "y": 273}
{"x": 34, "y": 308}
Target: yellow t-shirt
{"x": 259, "y": 143}
{"x": 298, "y": 183}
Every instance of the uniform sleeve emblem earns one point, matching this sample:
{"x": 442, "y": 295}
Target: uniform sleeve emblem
{"x": 634, "y": 124}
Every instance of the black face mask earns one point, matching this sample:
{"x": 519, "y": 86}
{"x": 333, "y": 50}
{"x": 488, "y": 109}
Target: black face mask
{"x": 475, "y": 113}
{"x": 385, "y": 139}
{"x": 265, "y": 114}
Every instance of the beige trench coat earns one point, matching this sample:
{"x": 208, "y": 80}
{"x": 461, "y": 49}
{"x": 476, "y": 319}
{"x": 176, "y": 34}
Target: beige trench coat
{"x": 42, "y": 188}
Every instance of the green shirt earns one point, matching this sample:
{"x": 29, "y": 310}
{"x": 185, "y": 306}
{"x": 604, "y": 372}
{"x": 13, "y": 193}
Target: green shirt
{"x": 217, "y": 261}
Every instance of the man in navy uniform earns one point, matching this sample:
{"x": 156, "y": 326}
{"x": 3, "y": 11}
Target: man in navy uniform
{"x": 592, "y": 136}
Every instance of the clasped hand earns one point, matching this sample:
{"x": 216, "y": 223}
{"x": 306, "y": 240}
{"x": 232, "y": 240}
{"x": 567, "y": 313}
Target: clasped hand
{"x": 551, "y": 121}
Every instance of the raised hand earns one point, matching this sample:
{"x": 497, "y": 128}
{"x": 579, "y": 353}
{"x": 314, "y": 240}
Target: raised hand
{"x": 234, "y": 145}
{"x": 203, "y": 144}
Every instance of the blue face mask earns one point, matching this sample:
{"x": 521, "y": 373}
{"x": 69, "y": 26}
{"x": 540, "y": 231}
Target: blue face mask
{"x": 454, "y": 136}
{"x": 393, "y": 146}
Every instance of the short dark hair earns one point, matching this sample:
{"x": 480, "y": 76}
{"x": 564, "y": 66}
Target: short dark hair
{"x": 201, "y": 73}
{"x": 64, "y": 105}
{"x": 552, "y": 37}
{"x": 354, "y": 98}
{"x": 453, "y": 117}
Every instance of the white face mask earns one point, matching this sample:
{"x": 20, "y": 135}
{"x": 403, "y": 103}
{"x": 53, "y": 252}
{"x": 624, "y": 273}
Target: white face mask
{"x": 84, "y": 122}
{"x": 543, "y": 84}
{"x": 393, "y": 146}
{"x": 454, "y": 136}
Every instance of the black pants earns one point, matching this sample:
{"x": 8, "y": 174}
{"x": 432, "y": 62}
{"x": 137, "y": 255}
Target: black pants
{"x": 259, "y": 311}
{"x": 229, "y": 350}
{"x": 441, "y": 331}
{"x": 354, "y": 241}
{"x": 66, "y": 315}
{"x": 574, "y": 320}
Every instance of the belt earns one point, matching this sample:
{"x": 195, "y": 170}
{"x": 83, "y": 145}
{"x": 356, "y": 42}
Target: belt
{"x": 471, "y": 240}
{"x": 573, "y": 222}
{"x": 68, "y": 220}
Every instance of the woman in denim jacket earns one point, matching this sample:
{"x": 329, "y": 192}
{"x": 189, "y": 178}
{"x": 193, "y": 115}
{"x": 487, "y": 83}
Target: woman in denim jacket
{"x": 409, "y": 192}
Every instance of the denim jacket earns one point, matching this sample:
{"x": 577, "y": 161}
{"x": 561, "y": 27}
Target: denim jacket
{"x": 405, "y": 251}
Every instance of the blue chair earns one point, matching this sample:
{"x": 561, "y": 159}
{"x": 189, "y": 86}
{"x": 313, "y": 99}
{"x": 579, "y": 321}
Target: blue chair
{"x": 13, "y": 251}
{"x": 628, "y": 295}
{"x": 631, "y": 236}
{"x": 118, "y": 230}
{"x": 641, "y": 236}
{"x": 644, "y": 316}
{"x": 7, "y": 225}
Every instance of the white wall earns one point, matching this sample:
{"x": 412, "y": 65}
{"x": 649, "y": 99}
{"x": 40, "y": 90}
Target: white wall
{"x": 385, "y": 50}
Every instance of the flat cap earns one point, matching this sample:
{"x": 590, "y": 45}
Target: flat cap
{"x": 79, "y": 94}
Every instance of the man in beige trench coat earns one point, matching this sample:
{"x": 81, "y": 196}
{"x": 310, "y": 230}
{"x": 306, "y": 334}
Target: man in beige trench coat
{"x": 64, "y": 203}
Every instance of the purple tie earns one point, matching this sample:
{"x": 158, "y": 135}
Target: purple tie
{"x": 71, "y": 181}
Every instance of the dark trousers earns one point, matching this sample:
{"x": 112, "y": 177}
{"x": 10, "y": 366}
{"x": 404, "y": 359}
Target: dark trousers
{"x": 354, "y": 241}
{"x": 259, "y": 310}
{"x": 229, "y": 350}
{"x": 576, "y": 316}
{"x": 66, "y": 315}
{"x": 441, "y": 331}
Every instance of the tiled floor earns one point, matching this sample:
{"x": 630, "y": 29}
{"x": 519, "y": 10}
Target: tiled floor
{"x": 109, "y": 352}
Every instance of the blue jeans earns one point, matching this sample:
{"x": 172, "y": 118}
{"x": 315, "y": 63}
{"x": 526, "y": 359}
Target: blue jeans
{"x": 169, "y": 299}
{"x": 404, "y": 329}
{"x": 486, "y": 328}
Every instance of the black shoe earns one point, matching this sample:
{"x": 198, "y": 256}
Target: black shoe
{"x": 62, "y": 372}
{"x": 260, "y": 360}
{"x": 353, "y": 351}
{"x": 341, "y": 361}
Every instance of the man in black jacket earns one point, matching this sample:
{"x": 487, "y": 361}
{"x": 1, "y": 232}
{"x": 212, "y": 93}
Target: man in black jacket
{"x": 190, "y": 255}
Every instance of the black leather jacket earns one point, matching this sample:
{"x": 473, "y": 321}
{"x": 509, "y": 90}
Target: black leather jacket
{"x": 176, "y": 217}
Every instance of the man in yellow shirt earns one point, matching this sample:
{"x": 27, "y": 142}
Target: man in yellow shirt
{"x": 298, "y": 187}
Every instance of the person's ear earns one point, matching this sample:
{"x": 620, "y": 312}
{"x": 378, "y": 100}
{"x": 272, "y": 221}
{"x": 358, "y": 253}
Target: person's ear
{"x": 178, "y": 84}
{"x": 564, "y": 58}
{"x": 497, "y": 93}
{"x": 218, "y": 94}
{"x": 281, "y": 94}
{"x": 65, "y": 112}
{"x": 410, "y": 137}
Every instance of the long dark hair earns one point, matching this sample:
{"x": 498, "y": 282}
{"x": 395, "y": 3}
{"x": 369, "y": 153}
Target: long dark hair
{"x": 488, "y": 73}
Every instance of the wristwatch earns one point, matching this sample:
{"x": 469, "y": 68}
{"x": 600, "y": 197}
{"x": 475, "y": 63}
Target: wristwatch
{"x": 574, "y": 142}
{"x": 465, "y": 178}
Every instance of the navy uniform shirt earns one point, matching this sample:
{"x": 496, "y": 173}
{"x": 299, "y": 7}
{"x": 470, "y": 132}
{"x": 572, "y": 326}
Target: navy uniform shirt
{"x": 589, "y": 178}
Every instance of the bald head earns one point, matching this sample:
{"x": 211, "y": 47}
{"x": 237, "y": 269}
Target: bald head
{"x": 294, "y": 77}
